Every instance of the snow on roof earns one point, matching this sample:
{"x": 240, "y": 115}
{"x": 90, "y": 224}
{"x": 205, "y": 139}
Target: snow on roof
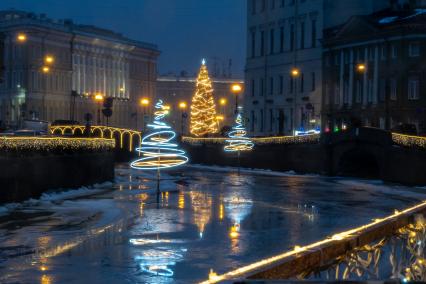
{"x": 387, "y": 20}
{"x": 417, "y": 12}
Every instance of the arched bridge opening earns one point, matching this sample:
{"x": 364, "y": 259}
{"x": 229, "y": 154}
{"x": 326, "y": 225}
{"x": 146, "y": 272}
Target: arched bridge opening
{"x": 358, "y": 162}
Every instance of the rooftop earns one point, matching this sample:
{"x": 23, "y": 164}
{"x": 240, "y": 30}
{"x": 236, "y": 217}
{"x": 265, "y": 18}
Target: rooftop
{"x": 14, "y": 18}
{"x": 379, "y": 23}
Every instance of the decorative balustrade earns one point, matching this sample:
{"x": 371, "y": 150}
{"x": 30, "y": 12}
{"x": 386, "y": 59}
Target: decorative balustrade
{"x": 392, "y": 247}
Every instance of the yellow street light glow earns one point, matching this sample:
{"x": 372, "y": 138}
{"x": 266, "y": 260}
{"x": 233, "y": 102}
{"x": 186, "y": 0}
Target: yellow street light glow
{"x": 222, "y": 101}
{"x": 122, "y": 89}
{"x": 236, "y": 88}
{"x": 99, "y": 97}
{"x": 45, "y": 69}
{"x": 295, "y": 72}
{"x": 21, "y": 37}
{"x": 144, "y": 102}
{"x": 182, "y": 105}
{"x": 220, "y": 117}
{"x": 361, "y": 67}
{"x": 49, "y": 59}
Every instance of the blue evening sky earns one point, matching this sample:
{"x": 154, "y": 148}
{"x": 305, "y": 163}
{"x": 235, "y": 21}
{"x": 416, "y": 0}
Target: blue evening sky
{"x": 184, "y": 30}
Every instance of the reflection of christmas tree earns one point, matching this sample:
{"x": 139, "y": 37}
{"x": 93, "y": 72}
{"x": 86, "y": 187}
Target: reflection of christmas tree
{"x": 203, "y": 108}
{"x": 157, "y": 150}
{"x": 238, "y": 140}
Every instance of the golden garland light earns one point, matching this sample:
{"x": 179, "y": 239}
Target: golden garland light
{"x": 52, "y": 144}
{"x": 203, "y": 108}
{"x": 238, "y": 140}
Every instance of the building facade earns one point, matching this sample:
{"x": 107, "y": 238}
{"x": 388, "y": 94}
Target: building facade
{"x": 45, "y": 60}
{"x": 284, "y": 60}
{"x": 374, "y": 71}
{"x": 176, "y": 90}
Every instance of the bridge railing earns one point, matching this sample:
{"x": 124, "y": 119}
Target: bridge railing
{"x": 392, "y": 247}
{"x": 409, "y": 141}
{"x": 257, "y": 140}
{"x": 122, "y": 136}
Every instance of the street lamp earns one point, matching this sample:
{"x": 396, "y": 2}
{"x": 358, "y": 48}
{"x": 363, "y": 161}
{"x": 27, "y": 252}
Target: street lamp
{"x": 236, "y": 89}
{"x": 45, "y": 69}
{"x": 49, "y": 59}
{"x": 144, "y": 103}
{"x": 182, "y": 106}
{"x": 21, "y": 37}
{"x": 361, "y": 68}
{"x": 99, "y": 99}
{"x": 295, "y": 72}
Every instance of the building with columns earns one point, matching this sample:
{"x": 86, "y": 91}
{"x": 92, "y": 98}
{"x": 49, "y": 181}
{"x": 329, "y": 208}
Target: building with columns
{"x": 374, "y": 71}
{"x": 45, "y": 60}
{"x": 285, "y": 36}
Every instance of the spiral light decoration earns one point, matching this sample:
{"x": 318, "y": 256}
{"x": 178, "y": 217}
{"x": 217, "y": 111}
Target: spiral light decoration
{"x": 156, "y": 148}
{"x": 238, "y": 141}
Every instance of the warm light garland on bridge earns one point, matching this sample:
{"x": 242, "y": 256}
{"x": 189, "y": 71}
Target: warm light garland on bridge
{"x": 103, "y": 131}
{"x": 266, "y": 140}
{"x": 409, "y": 141}
{"x": 157, "y": 150}
{"x": 242, "y": 272}
{"x": 51, "y": 144}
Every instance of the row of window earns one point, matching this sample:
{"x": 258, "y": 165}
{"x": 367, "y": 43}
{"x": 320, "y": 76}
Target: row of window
{"x": 275, "y": 85}
{"x": 278, "y": 42}
{"x": 369, "y": 54}
{"x": 412, "y": 88}
{"x": 259, "y": 6}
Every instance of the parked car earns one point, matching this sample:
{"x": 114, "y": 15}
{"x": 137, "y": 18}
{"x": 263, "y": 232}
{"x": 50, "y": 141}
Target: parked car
{"x": 405, "y": 128}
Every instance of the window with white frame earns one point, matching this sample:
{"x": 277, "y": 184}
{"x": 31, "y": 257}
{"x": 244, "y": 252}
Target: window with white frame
{"x": 413, "y": 88}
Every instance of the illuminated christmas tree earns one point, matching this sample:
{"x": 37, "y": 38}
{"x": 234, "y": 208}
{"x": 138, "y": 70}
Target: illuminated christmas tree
{"x": 203, "y": 108}
{"x": 238, "y": 140}
{"x": 158, "y": 151}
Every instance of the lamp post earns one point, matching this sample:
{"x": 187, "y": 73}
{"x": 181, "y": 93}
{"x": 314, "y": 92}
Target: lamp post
{"x": 182, "y": 106}
{"x": 99, "y": 99}
{"x": 236, "y": 90}
{"x": 219, "y": 118}
{"x": 144, "y": 103}
{"x": 295, "y": 73}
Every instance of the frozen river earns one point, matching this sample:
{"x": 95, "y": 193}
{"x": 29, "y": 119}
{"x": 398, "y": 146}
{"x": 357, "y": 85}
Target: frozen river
{"x": 207, "y": 218}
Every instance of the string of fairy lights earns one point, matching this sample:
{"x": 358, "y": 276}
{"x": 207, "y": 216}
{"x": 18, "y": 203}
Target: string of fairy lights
{"x": 203, "y": 108}
{"x": 288, "y": 140}
{"x": 54, "y": 144}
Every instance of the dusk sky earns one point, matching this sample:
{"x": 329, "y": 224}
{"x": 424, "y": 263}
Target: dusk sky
{"x": 184, "y": 30}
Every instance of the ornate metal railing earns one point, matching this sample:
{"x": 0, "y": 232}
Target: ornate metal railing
{"x": 392, "y": 247}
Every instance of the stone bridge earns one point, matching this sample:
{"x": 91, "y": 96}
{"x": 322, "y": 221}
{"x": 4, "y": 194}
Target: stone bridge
{"x": 361, "y": 152}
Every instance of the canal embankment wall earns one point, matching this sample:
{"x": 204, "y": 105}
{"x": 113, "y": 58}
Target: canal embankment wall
{"x": 27, "y": 169}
